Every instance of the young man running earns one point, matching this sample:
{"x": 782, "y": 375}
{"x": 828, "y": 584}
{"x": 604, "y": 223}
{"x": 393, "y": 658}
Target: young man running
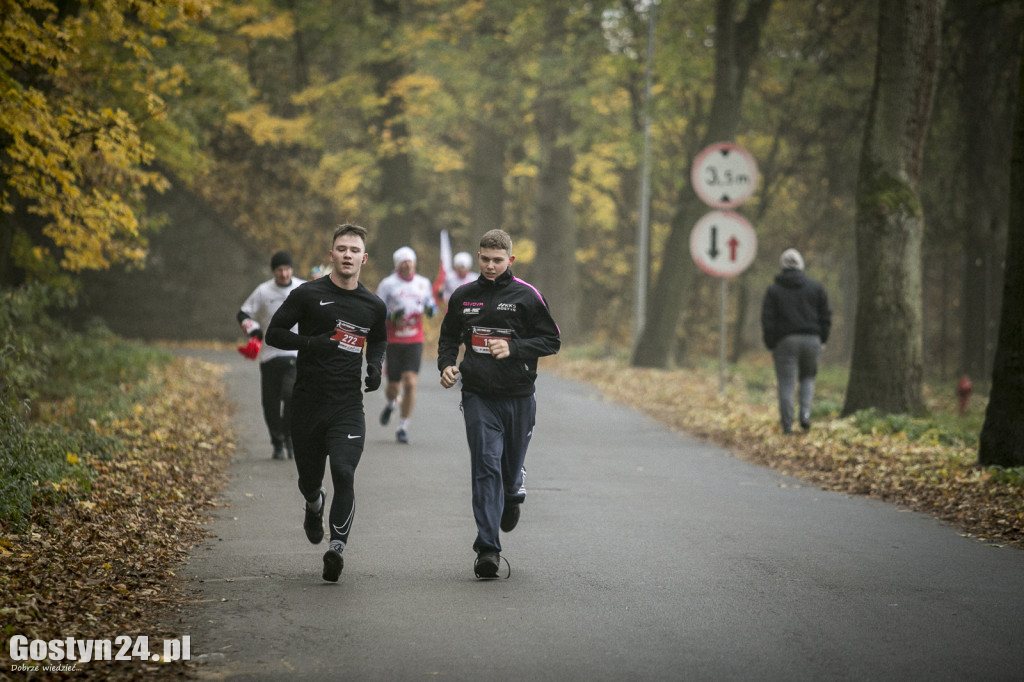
{"x": 337, "y": 319}
{"x": 277, "y": 367}
{"x": 409, "y": 298}
{"x": 505, "y": 326}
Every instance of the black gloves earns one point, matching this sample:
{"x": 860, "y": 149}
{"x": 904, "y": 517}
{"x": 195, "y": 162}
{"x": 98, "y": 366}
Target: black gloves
{"x": 322, "y": 343}
{"x": 372, "y": 378}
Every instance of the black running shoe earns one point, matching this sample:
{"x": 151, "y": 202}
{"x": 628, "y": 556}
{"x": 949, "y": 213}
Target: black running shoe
{"x": 279, "y": 451}
{"x": 805, "y": 423}
{"x": 333, "y": 563}
{"x": 509, "y": 517}
{"x": 486, "y": 564}
{"x": 314, "y": 521}
{"x": 401, "y": 436}
{"x": 385, "y": 416}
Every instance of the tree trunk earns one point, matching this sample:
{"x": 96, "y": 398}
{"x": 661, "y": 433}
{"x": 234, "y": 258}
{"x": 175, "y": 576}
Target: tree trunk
{"x": 987, "y": 115}
{"x": 555, "y": 271}
{"x": 7, "y": 269}
{"x": 397, "y": 195}
{"x": 1002, "y": 436}
{"x": 486, "y": 180}
{"x": 737, "y": 44}
{"x": 886, "y": 369}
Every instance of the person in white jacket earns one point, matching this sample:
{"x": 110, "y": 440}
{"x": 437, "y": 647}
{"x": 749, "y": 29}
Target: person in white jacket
{"x": 277, "y": 367}
{"x": 462, "y": 274}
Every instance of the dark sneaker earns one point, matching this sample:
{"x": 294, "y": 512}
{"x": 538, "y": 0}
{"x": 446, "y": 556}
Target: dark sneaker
{"x": 509, "y": 517}
{"x": 486, "y": 564}
{"x": 805, "y": 423}
{"x": 333, "y": 563}
{"x": 401, "y": 436}
{"x": 314, "y": 521}
{"x": 385, "y": 416}
{"x": 279, "y": 452}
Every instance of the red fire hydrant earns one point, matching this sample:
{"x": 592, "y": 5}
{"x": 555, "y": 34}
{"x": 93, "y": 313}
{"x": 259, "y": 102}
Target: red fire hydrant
{"x": 963, "y": 392}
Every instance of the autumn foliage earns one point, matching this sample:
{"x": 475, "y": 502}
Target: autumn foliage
{"x": 80, "y": 90}
{"x": 109, "y": 456}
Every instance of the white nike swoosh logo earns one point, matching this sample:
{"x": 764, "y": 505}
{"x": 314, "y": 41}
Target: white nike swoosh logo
{"x": 326, "y": 302}
{"x": 351, "y": 436}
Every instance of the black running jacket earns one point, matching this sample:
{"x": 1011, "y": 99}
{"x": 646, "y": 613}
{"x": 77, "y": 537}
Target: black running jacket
{"x": 507, "y": 308}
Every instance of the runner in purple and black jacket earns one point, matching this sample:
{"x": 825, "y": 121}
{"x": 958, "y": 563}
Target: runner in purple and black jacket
{"x": 505, "y": 325}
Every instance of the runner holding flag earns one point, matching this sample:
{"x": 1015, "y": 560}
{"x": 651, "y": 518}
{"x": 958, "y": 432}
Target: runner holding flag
{"x": 452, "y": 272}
{"x": 444, "y": 268}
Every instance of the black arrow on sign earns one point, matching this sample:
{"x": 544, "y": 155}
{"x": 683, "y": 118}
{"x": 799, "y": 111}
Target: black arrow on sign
{"x": 713, "y": 251}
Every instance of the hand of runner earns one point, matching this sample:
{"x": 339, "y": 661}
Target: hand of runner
{"x": 251, "y": 349}
{"x": 449, "y": 376}
{"x": 372, "y": 378}
{"x": 498, "y": 348}
{"x": 323, "y": 343}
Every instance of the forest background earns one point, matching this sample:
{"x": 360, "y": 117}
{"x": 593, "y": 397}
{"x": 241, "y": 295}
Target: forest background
{"x": 155, "y": 153}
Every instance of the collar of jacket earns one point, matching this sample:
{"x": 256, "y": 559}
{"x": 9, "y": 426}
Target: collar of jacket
{"x": 501, "y": 280}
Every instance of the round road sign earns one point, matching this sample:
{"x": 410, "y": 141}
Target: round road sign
{"x": 723, "y": 243}
{"x": 724, "y": 175}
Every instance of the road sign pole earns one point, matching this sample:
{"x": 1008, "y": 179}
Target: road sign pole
{"x": 722, "y": 243}
{"x": 721, "y": 341}
{"x": 643, "y": 246}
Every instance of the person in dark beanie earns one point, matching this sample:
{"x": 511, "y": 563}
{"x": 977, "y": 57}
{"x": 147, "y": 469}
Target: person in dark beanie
{"x": 795, "y": 323}
{"x": 277, "y": 367}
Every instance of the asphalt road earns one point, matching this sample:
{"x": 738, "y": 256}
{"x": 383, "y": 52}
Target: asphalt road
{"x": 642, "y": 554}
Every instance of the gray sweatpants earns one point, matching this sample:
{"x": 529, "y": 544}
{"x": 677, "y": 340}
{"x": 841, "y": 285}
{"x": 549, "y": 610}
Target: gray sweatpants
{"x": 498, "y": 431}
{"x": 796, "y": 357}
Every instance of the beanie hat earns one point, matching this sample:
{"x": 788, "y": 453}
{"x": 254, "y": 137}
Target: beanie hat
{"x": 403, "y": 254}
{"x": 464, "y": 259}
{"x": 280, "y": 258}
{"x": 791, "y": 260}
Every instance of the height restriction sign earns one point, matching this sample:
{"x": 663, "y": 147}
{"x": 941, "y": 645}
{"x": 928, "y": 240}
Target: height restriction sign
{"x": 724, "y": 175}
{"x": 723, "y": 243}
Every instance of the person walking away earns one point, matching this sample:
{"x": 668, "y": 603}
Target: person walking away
{"x": 505, "y": 325}
{"x": 795, "y": 323}
{"x": 408, "y": 298}
{"x": 462, "y": 274}
{"x": 277, "y": 367}
{"x": 338, "y": 321}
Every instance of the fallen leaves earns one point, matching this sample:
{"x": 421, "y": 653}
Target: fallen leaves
{"x": 102, "y": 564}
{"x": 922, "y": 474}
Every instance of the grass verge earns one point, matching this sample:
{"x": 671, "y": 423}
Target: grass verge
{"x": 111, "y": 452}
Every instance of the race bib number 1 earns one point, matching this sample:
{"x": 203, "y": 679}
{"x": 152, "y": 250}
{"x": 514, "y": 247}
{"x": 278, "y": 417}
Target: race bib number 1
{"x": 349, "y": 336}
{"x": 480, "y": 336}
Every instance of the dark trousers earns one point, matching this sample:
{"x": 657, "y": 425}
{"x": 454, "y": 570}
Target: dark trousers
{"x": 796, "y": 364}
{"x": 329, "y": 432}
{"x": 277, "y": 380}
{"x": 498, "y": 431}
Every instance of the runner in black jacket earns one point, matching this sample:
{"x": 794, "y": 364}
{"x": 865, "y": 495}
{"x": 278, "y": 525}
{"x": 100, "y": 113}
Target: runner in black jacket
{"x": 338, "y": 318}
{"x": 505, "y": 325}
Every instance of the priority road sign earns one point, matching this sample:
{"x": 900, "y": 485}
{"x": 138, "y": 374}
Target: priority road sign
{"x": 724, "y": 175}
{"x": 723, "y": 243}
